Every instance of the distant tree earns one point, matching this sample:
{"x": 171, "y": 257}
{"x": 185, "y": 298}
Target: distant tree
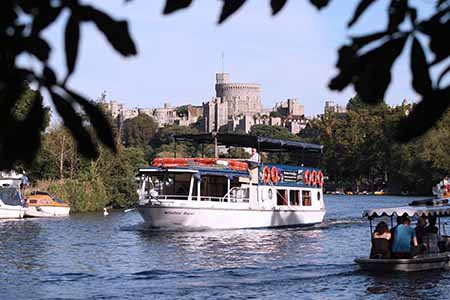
{"x": 138, "y": 131}
{"x": 182, "y": 111}
{"x": 275, "y": 114}
{"x": 278, "y": 132}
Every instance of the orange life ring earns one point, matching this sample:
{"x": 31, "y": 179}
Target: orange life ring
{"x": 314, "y": 177}
{"x": 274, "y": 175}
{"x": 320, "y": 178}
{"x": 266, "y": 174}
{"x": 307, "y": 177}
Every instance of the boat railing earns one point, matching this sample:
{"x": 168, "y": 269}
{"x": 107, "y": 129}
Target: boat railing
{"x": 225, "y": 198}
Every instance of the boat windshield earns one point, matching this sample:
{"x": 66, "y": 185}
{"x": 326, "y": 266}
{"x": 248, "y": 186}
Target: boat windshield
{"x": 169, "y": 183}
{"x": 10, "y": 196}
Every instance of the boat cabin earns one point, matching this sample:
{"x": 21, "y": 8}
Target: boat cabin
{"x": 223, "y": 193}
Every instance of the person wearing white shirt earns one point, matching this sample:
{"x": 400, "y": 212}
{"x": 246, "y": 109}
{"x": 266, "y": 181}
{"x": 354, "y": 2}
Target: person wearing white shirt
{"x": 255, "y": 156}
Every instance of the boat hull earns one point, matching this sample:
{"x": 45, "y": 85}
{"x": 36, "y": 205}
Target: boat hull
{"x": 11, "y": 212}
{"x": 47, "y": 211}
{"x": 223, "y": 218}
{"x": 422, "y": 263}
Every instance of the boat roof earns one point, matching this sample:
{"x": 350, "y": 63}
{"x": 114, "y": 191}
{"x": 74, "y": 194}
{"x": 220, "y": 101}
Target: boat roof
{"x": 264, "y": 144}
{"x": 197, "y": 170}
{"x": 437, "y": 208}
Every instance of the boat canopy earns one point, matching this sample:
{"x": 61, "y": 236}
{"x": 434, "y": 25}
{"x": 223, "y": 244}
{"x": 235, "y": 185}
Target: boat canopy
{"x": 10, "y": 196}
{"x": 425, "y": 210}
{"x": 198, "y": 172}
{"x": 265, "y": 144}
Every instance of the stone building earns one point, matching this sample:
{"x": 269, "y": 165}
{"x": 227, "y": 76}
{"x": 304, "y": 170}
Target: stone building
{"x": 331, "y": 107}
{"x": 235, "y": 103}
{"x": 241, "y": 98}
{"x": 215, "y": 114}
{"x": 290, "y": 107}
{"x": 165, "y": 115}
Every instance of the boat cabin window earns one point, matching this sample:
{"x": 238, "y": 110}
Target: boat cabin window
{"x": 239, "y": 194}
{"x": 306, "y": 198}
{"x": 170, "y": 184}
{"x": 294, "y": 196}
{"x": 214, "y": 186}
{"x": 282, "y": 197}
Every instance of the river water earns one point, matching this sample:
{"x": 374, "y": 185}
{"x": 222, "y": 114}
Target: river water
{"x": 89, "y": 256}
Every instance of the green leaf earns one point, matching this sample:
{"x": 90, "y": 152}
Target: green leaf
{"x": 229, "y": 7}
{"x": 360, "y": 42}
{"x": 49, "y": 76}
{"x": 319, "y": 4}
{"x": 44, "y": 18}
{"x": 24, "y": 149}
{"x": 38, "y": 47}
{"x": 277, "y": 5}
{"x": 74, "y": 123}
{"x": 174, "y": 5}
{"x": 116, "y": 32}
{"x": 97, "y": 119}
{"x": 424, "y": 115}
{"x": 360, "y": 9}
{"x": 397, "y": 14}
{"x": 373, "y": 74}
{"x": 438, "y": 33}
{"x": 71, "y": 42}
{"x": 421, "y": 80}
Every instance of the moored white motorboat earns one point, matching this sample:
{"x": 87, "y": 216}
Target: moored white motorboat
{"x": 11, "y": 204}
{"x": 428, "y": 261}
{"x": 232, "y": 194}
{"x": 44, "y": 205}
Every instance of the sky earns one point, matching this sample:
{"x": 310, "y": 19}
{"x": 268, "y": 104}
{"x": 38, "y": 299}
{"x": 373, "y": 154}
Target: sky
{"x": 291, "y": 55}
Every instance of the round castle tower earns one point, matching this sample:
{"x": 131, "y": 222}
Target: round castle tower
{"x": 241, "y": 98}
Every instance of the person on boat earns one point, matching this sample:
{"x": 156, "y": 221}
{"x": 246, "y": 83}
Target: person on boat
{"x": 404, "y": 244}
{"x": 420, "y": 229}
{"x": 255, "y": 157}
{"x": 399, "y": 221}
{"x": 381, "y": 242}
{"x": 431, "y": 236}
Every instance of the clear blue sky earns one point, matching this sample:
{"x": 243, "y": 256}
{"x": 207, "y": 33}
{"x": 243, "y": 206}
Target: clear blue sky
{"x": 290, "y": 55}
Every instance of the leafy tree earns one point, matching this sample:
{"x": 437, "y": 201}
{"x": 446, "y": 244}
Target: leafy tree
{"x": 278, "y": 132}
{"x": 138, "y": 131}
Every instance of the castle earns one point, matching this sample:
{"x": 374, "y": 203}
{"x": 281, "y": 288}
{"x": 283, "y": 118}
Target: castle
{"x": 235, "y": 107}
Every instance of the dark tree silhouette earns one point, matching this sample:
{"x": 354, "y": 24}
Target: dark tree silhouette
{"x": 365, "y": 63}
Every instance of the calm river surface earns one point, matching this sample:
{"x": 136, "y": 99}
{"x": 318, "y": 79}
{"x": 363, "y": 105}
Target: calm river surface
{"x": 89, "y": 256}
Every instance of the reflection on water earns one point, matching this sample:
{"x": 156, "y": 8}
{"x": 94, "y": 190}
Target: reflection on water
{"x": 237, "y": 248}
{"x": 89, "y": 256}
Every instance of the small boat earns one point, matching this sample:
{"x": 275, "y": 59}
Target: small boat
{"x": 438, "y": 208}
{"x": 218, "y": 193}
{"x": 11, "y": 203}
{"x": 379, "y": 193}
{"x": 43, "y": 205}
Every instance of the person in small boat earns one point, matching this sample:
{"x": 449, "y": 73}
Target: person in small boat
{"x": 420, "y": 229}
{"x": 446, "y": 184}
{"x": 381, "y": 247}
{"x": 431, "y": 236}
{"x": 404, "y": 244}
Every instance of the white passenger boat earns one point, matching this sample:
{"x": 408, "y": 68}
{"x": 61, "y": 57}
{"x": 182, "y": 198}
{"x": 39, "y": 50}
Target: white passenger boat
{"x": 11, "y": 203}
{"x": 438, "y": 208}
{"x": 231, "y": 194}
{"x": 45, "y": 205}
